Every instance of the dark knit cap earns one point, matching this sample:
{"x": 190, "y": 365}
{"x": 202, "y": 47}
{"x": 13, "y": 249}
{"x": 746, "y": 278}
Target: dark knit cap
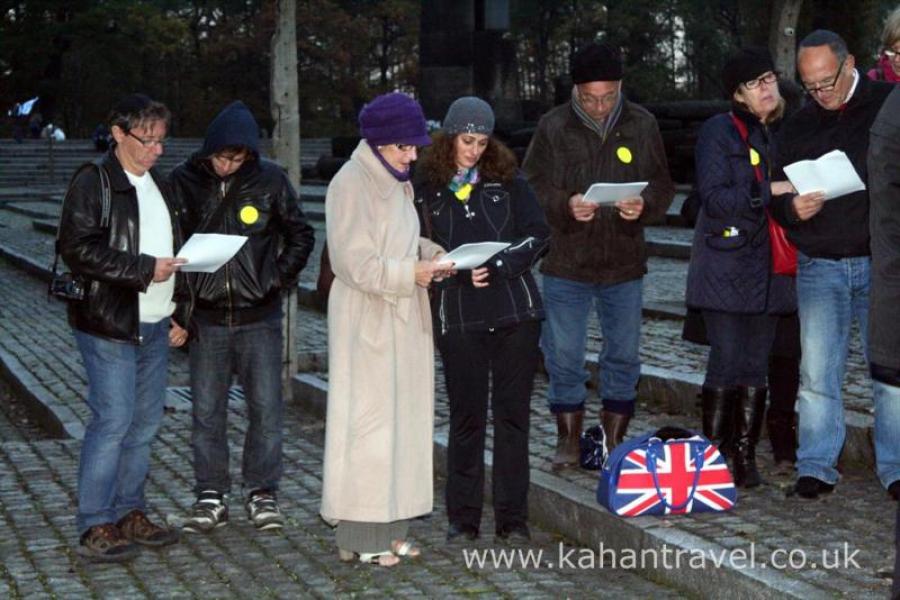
{"x": 469, "y": 114}
{"x": 746, "y": 65}
{"x": 393, "y": 118}
{"x": 596, "y": 62}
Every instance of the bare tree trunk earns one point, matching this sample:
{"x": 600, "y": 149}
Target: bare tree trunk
{"x": 283, "y": 104}
{"x": 783, "y": 36}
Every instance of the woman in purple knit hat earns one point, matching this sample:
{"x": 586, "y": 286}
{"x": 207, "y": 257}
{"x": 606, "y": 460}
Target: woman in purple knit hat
{"x": 378, "y": 434}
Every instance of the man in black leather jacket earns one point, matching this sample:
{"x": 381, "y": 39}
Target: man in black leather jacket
{"x": 227, "y": 188}
{"x": 123, "y": 325}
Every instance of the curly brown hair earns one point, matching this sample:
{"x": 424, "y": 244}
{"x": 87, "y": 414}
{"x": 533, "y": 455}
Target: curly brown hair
{"x": 438, "y": 164}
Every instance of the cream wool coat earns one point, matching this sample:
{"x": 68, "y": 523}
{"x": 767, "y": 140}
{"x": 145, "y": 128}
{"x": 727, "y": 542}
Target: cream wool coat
{"x": 378, "y": 432}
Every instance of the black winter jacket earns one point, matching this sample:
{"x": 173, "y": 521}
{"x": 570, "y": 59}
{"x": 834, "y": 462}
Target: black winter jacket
{"x": 500, "y": 212}
{"x": 731, "y": 263}
{"x": 257, "y": 201}
{"x": 109, "y": 259}
{"x": 884, "y": 221}
{"x": 841, "y": 228}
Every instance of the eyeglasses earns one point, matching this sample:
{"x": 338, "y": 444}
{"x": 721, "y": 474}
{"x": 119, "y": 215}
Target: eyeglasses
{"x": 768, "y": 79}
{"x": 406, "y": 147}
{"x": 827, "y": 85}
{"x": 891, "y": 53}
{"x": 145, "y": 142}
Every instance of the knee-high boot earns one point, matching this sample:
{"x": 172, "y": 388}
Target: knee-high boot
{"x": 747, "y": 428}
{"x": 718, "y": 416}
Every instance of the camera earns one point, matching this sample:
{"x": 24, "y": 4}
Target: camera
{"x": 67, "y": 286}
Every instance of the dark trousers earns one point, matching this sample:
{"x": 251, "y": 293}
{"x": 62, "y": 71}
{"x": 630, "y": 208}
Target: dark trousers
{"x": 507, "y": 359}
{"x": 739, "y": 348}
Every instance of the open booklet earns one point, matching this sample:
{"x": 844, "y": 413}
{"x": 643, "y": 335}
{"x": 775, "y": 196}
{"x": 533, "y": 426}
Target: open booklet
{"x": 470, "y": 256}
{"x": 607, "y": 194}
{"x": 832, "y": 173}
{"x": 207, "y": 252}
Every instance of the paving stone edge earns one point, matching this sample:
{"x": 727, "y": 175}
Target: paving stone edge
{"x": 573, "y": 512}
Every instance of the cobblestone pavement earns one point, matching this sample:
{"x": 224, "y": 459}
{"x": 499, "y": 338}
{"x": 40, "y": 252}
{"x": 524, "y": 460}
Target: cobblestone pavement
{"x": 37, "y": 532}
{"x": 35, "y": 332}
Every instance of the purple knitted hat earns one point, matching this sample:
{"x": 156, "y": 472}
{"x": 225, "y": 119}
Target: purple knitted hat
{"x": 393, "y": 118}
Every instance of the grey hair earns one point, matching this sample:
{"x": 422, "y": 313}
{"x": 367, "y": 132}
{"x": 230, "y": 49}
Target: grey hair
{"x": 891, "y": 33}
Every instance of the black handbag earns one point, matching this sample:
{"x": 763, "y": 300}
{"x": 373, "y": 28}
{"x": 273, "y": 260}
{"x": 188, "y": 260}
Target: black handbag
{"x": 593, "y": 448}
{"x": 67, "y": 285}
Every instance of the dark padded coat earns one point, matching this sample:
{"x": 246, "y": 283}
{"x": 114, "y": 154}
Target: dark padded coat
{"x": 884, "y": 224}
{"x": 565, "y": 157}
{"x": 731, "y": 264}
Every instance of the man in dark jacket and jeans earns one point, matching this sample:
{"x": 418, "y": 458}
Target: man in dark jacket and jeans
{"x": 124, "y": 325}
{"x": 832, "y": 240}
{"x": 884, "y": 301}
{"x": 227, "y": 188}
{"x": 596, "y": 254}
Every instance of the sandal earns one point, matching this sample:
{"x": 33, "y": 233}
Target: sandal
{"x": 405, "y": 548}
{"x": 382, "y": 559}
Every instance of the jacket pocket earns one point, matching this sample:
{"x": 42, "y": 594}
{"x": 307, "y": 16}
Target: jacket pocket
{"x": 717, "y": 241}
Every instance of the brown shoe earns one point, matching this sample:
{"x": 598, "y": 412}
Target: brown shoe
{"x": 614, "y": 426}
{"x": 135, "y": 526}
{"x": 105, "y": 543}
{"x": 568, "y": 449}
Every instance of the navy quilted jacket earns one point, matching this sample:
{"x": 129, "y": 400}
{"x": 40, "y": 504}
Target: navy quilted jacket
{"x": 730, "y": 268}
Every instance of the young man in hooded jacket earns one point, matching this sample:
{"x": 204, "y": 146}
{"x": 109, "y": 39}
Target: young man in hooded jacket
{"x": 236, "y": 321}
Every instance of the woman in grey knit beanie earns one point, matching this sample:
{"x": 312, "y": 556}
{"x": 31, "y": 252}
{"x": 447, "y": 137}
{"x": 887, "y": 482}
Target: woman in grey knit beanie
{"x": 486, "y": 320}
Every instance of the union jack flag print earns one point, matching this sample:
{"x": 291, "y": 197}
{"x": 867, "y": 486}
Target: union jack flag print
{"x": 627, "y": 487}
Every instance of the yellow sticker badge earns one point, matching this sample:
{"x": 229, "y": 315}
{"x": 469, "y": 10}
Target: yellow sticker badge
{"x": 624, "y": 154}
{"x": 249, "y": 215}
{"x": 754, "y": 157}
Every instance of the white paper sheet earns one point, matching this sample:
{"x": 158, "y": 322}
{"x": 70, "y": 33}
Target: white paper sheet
{"x": 470, "y": 256}
{"x": 606, "y": 194}
{"x": 832, "y": 173}
{"x": 207, "y": 252}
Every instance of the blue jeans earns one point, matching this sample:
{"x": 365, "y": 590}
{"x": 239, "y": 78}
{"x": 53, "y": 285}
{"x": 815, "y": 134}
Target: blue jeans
{"x": 887, "y": 432}
{"x": 254, "y": 352}
{"x": 567, "y": 304}
{"x": 126, "y": 396}
{"x": 830, "y": 295}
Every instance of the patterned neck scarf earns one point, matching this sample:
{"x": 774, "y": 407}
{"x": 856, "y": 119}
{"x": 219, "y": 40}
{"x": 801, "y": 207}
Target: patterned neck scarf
{"x": 462, "y": 183}
{"x": 600, "y": 128}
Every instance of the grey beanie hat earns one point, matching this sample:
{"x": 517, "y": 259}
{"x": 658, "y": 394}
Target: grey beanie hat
{"x": 469, "y": 115}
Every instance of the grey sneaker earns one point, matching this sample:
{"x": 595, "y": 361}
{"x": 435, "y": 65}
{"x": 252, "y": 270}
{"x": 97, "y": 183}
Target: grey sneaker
{"x": 263, "y": 511}
{"x": 207, "y": 513}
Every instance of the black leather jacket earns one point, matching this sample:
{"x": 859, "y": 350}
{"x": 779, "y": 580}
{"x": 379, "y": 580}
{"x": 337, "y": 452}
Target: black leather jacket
{"x": 498, "y": 212}
{"x": 109, "y": 260}
{"x": 257, "y": 201}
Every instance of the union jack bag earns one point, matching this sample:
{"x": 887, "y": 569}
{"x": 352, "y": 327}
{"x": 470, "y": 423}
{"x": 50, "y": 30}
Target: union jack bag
{"x": 667, "y": 472}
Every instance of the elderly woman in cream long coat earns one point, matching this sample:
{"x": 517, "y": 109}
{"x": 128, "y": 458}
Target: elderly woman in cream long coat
{"x": 378, "y": 436}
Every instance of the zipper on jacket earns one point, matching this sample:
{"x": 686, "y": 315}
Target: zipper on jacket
{"x": 228, "y": 300}
{"x": 441, "y": 314}
{"x": 527, "y": 292}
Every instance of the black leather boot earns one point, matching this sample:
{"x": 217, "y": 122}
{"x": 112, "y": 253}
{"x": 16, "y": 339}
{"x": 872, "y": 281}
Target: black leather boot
{"x": 614, "y": 426}
{"x": 718, "y": 417}
{"x": 568, "y": 439}
{"x": 749, "y": 413}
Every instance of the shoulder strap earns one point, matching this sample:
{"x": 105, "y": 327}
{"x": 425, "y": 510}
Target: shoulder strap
{"x": 105, "y": 206}
{"x": 745, "y": 134}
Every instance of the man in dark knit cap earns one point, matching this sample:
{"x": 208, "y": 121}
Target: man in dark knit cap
{"x": 597, "y": 253}
{"x": 227, "y": 188}
{"x": 834, "y": 262}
